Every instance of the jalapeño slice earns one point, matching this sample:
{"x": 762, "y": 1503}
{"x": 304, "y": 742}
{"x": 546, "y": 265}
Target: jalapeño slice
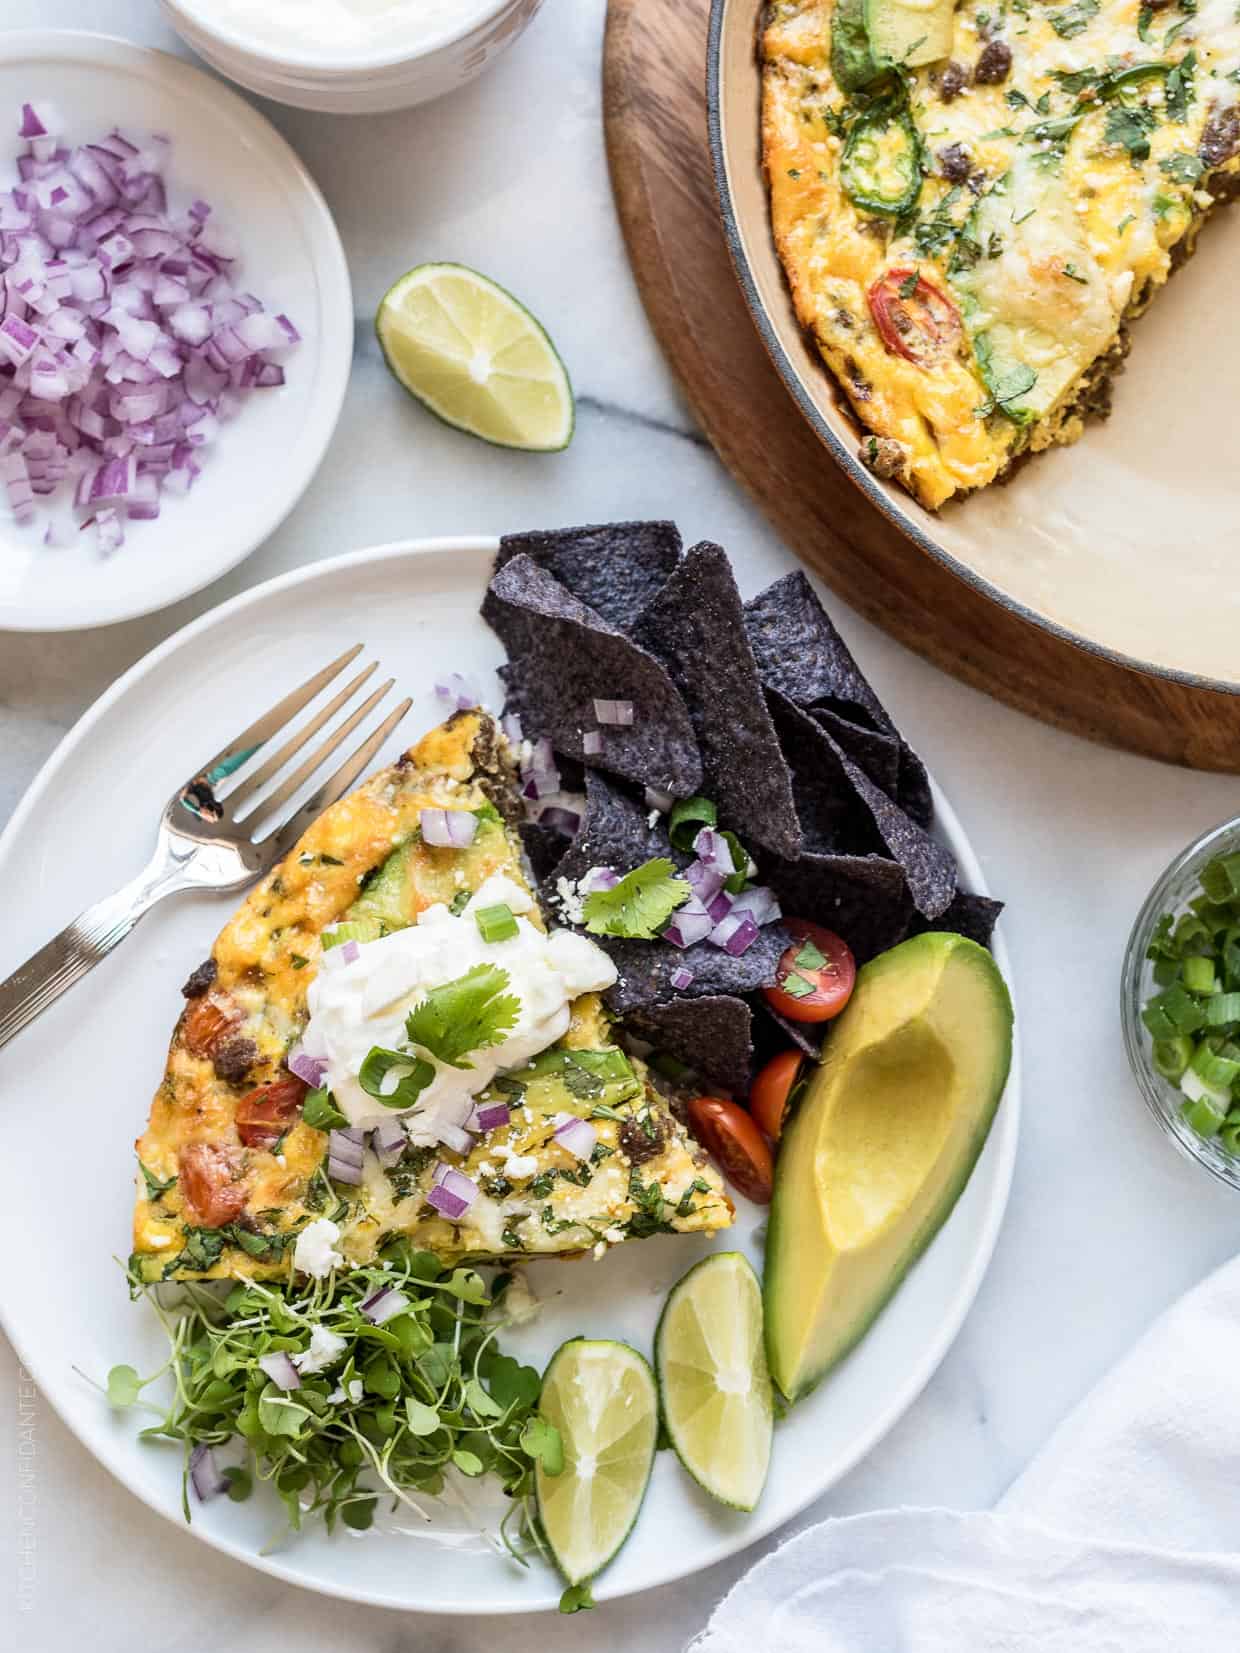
{"x": 881, "y": 166}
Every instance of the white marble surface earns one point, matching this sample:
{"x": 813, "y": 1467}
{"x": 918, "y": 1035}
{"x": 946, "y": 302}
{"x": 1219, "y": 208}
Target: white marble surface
{"x": 1106, "y": 1224}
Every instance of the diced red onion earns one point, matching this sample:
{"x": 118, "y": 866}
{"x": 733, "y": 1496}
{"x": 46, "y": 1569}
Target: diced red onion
{"x": 598, "y": 878}
{"x": 280, "y": 1369}
{"x": 681, "y": 977}
{"x": 350, "y": 952}
{"x": 452, "y": 1194}
{"x": 205, "y": 1475}
{"x": 348, "y": 1142}
{"x": 489, "y": 1116}
{"x": 705, "y": 882}
{"x": 341, "y": 1171}
{"x": 592, "y": 743}
{"x": 389, "y": 1141}
{"x": 455, "y": 1137}
{"x": 734, "y": 934}
{"x": 457, "y": 692}
{"x": 616, "y": 712}
{"x": 575, "y": 1135}
{"x": 448, "y": 828}
{"x": 759, "y": 903}
{"x": 711, "y": 848}
{"x": 690, "y": 924}
{"x": 309, "y": 1068}
{"x": 719, "y": 906}
{"x": 662, "y": 801}
{"x": 109, "y": 533}
{"x": 383, "y": 1305}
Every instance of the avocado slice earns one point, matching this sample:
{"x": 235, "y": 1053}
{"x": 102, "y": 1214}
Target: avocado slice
{"x": 383, "y": 906}
{"x": 881, "y": 1146}
{"x": 852, "y": 61}
{"x": 909, "y": 33}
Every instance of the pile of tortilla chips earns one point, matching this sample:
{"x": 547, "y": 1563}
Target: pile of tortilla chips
{"x": 757, "y": 706}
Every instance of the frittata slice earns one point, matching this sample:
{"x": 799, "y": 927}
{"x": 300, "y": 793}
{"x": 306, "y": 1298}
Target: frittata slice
{"x": 230, "y": 1173}
{"x": 968, "y": 230}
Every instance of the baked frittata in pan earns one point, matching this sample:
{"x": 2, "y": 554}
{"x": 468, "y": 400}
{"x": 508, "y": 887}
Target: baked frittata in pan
{"x": 972, "y": 201}
{"x": 467, "y": 1148}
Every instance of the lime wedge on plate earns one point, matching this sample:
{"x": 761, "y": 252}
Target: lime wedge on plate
{"x": 602, "y": 1399}
{"x": 476, "y": 358}
{"x": 713, "y": 1382}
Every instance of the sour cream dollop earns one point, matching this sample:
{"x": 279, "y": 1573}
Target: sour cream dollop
{"x": 365, "y": 1003}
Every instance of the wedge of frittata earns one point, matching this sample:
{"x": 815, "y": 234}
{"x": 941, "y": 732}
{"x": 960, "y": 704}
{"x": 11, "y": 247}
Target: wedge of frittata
{"x": 453, "y": 1076}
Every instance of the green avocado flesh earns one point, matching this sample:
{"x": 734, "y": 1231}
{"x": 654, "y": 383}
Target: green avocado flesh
{"x": 909, "y": 33}
{"x": 881, "y": 1146}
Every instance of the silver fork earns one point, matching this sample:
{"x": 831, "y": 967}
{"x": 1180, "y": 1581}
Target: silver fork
{"x": 205, "y": 843}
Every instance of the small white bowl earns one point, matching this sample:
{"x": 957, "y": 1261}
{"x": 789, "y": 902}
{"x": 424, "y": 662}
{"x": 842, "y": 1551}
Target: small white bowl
{"x": 344, "y": 81}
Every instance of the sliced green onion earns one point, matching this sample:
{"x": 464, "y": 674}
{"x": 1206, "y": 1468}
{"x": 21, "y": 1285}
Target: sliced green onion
{"x": 1221, "y": 878}
{"x": 737, "y": 880}
{"x": 1172, "y": 1012}
{"x": 1198, "y": 974}
{"x": 1223, "y": 1007}
{"x": 1218, "y": 1072}
{"x": 1172, "y": 1056}
{"x": 496, "y": 923}
{"x": 1203, "y": 1117}
{"x": 687, "y": 819}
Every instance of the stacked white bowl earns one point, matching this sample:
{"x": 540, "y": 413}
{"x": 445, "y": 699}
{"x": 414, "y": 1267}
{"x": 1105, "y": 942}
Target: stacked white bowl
{"x": 350, "y": 57}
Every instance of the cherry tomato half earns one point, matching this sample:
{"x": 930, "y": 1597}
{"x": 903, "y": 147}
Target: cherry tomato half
{"x": 265, "y": 1114}
{"x": 209, "y": 1183}
{"x": 730, "y": 1136}
{"x": 914, "y": 319}
{"x": 769, "y": 1093}
{"x": 814, "y": 979}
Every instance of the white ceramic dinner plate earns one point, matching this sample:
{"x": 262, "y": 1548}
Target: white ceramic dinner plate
{"x": 291, "y": 257}
{"x": 76, "y": 1085}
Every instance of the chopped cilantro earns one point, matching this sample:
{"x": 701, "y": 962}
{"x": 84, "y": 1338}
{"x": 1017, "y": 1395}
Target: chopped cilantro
{"x": 1182, "y": 167}
{"x": 155, "y": 1189}
{"x": 1145, "y": 18}
{"x": 473, "y": 1012}
{"x": 1180, "y": 87}
{"x": 1128, "y": 218}
{"x": 320, "y": 1110}
{"x": 639, "y": 905}
{"x": 1073, "y": 274}
{"x": 909, "y": 285}
{"x": 1074, "y": 19}
{"x": 1128, "y": 127}
{"x": 298, "y": 961}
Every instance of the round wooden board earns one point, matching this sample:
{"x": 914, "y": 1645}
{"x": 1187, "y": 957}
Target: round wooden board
{"x": 655, "y": 114}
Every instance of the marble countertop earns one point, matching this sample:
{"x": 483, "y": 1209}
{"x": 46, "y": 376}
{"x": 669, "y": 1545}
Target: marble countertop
{"x": 1106, "y": 1223}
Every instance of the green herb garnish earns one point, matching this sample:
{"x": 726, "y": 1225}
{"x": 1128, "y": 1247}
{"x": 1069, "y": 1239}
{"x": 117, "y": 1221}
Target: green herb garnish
{"x": 320, "y": 1110}
{"x": 415, "y": 1076}
{"x": 474, "y": 1012}
{"x": 496, "y": 923}
{"x": 639, "y": 905}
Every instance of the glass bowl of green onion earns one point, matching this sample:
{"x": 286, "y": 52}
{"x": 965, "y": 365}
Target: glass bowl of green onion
{"x": 1180, "y": 1001}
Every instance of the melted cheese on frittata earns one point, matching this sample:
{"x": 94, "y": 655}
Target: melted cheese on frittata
{"x": 1052, "y": 201}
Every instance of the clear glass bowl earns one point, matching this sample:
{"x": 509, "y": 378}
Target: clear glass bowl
{"x": 1171, "y": 893}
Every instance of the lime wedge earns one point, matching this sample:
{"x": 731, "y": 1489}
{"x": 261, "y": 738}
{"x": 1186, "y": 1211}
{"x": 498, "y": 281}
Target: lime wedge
{"x": 601, "y": 1397}
{"x": 476, "y": 358}
{"x": 714, "y": 1387}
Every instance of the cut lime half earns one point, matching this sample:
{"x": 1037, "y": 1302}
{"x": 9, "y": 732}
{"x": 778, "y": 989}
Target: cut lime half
{"x": 601, "y": 1397}
{"x": 476, "y": 357}
{"x": 714, "y": 1386}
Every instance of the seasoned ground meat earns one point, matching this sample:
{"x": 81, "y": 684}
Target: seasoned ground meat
{"x": 1220, "y": 137}
{"x": 952, "y": 81}
{"x": 200, "y": 979}
{"x": 994, "y": 65}
{"x": 234, "y": 1059}
{"x": 954, "y": 163}
{"x": 857, "y": 379}
{"x": 885, "y": 456}
{"x": 641, "y": 1138}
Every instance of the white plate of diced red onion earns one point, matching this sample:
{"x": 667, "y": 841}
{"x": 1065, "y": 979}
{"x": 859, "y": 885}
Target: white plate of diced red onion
{"x": 176, "y": 328}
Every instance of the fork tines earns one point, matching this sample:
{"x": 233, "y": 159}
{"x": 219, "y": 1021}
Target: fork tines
{"x": 226, "y": 814}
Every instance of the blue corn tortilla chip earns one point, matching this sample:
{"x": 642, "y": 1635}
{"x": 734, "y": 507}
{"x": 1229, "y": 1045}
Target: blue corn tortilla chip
{"x": 567, "y": 656}
{"x": 873, "y": 750}
{"x": 862, "y": 898}
{"x": 800, "y": 653}
{"x": 545, "y": 847}
{"x": 646, "y": 969}
{"x": 695, "y": 626}
{"x": 616, "y": 832}
{"x": 712, "y": 1035}
{"x": 974, "y": 916}
{"x": 614, "y": 567}
{"x": 774, "y": 1032}
{"x": 842, "y": 811}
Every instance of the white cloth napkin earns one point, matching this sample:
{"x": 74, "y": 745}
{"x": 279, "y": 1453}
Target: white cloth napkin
{"x": 1122, "y": 1536}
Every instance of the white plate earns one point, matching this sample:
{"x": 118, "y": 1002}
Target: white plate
{"x": 75, "y": 1087}
{"x": 291, "y": 257}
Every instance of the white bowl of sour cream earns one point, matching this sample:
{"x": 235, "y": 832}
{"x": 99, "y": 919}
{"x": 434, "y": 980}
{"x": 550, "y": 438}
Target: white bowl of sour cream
{"x": 350, "y": 57}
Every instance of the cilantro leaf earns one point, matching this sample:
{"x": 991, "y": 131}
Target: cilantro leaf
{"x": 470, "y": 1013}
{"x": 1180, "y": 87}
{"x": 1129, "y": 127}
{"x": 155, "y": 1189}
{"x": 639, "y": 905}
{"x": 1182, "y": 167}
{"x": 1074, "y": 19}
{"x": 379, "y": 1063}
{"x": 542, "y": 1440}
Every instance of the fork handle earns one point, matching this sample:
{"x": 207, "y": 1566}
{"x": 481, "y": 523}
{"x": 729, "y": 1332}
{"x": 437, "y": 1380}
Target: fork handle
{"x": 78, "y": 948}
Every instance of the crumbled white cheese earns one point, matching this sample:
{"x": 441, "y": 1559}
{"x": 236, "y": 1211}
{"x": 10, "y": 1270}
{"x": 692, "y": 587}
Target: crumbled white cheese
{"x": 159, "y": 1241}
{"x": 520, "y": 1303}
{"x": 325, "y": 1350}
{"x": 355, "y": 1388}
{"x": 315, "y": 1254}
{"x": 568, "y": 899}
{"x": 516, "y": 1165}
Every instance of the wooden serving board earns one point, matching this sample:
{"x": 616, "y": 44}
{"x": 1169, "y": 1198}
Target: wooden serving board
{"x": 655, "y": 114}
